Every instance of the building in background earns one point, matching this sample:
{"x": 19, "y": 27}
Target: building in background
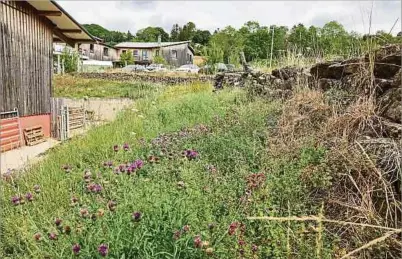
{"x": 175, "y": 53}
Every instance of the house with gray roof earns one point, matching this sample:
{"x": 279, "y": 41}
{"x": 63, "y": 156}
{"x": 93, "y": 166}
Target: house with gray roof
{"x": 175, "y": 53}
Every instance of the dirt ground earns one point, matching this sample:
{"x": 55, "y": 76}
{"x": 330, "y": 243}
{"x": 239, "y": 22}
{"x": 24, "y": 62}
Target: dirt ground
{"x": 23, "y": 157}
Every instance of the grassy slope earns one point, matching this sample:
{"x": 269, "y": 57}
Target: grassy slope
{"x": 73, "y": 87}
{"x": 234, "y": 145}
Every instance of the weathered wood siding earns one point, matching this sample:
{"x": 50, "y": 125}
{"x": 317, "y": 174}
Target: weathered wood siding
{"x": 182, "y": 54}
{"x": 97, "y": 53}
{"x": 25, "y": 59}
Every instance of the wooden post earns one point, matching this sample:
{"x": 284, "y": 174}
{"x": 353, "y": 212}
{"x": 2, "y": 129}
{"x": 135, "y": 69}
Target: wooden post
{"x": 272, "y": 47}
{"x": 246, "y": 67}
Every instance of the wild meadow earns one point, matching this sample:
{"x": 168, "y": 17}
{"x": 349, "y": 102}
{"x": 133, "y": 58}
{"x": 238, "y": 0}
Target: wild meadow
{"x": 176, "y": 176}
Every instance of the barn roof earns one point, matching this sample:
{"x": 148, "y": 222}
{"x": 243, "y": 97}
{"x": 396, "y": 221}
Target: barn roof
{"x": 148, "y": 45}
{"x": 66, "y": 28}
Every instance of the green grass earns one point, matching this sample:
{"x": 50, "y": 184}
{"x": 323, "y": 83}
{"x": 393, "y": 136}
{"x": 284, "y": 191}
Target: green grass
{"x": 76, "y": 87}
{"x": 228, "y": 131}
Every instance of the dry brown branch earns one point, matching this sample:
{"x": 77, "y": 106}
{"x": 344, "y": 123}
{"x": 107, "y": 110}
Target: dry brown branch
{"x": 315, "y": 218}
{"x": 372, "y": 242}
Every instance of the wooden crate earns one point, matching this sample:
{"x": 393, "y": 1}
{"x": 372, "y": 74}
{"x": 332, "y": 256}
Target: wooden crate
{"x": 10, "y": 131}
{"x": 34, "y": 135}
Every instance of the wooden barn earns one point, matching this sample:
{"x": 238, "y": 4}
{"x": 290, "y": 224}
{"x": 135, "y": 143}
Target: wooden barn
{"x": 27, "y": 32}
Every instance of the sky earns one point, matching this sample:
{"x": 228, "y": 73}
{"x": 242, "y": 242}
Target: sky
{"x": 135, "y": 15}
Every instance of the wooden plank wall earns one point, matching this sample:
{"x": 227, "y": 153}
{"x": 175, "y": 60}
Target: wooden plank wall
{"x": 25, "y": 59}
{"x": 56, "y": 106}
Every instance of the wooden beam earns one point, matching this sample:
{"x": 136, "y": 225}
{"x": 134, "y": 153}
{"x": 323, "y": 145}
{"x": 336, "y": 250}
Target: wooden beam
{"x": 70, "y": 30}
{"x": 50, "y": 13}
{"x": 63, "y": 37}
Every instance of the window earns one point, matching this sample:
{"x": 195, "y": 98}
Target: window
{"x": 145, "y": 55}
{"x": 91, "y": 48}
{"x": 105, "y": 51}
{"x": 124, "y": 51}
{"x": 135, "y": 52}
{"x": 174, "y": 54}
{"x": 157, "y": 53}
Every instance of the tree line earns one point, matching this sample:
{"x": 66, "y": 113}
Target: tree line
{"x": 258, "y": 42}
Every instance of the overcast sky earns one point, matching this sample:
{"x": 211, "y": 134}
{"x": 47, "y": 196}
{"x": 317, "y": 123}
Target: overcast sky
{"x": 135, "y": 15}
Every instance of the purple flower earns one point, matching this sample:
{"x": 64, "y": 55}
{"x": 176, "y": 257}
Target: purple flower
{"x": 37, "y": 188}
{"x": 186, "y": 228}
{"x": 94, "y": 187}
{"x": 138, "y": 163}
{"x": 52, "y": 236}
{"x": 197, "y": 242}
{"x": 76, "y": 249}
{"x": 103, "y": 249}
{"x": 126, "y": 147}
{"x": 254, "y": 248}
{"x": 29, "y": 196}
{"x": 116, "y": 148}
{"x": 191, "y": 154}
{"x": 58, "y": 221}
{"x": 37, "y": 236}
{"x": 176, "y": 234}
{"x": 136, "y": 216}
{"x": 15, "y": 200}
{"x": 108, "y": 164}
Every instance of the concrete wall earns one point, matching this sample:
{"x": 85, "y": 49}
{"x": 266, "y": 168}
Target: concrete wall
{"x": 104, "y": 109}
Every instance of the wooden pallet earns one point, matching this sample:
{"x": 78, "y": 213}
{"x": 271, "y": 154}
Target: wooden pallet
{"x": 76, "y": 117}
{"x": 34, "y": 135}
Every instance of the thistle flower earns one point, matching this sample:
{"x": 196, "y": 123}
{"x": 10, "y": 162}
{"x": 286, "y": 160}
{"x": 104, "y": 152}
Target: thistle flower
{"x": 254, "y": 248}
{"x": 87, "y": 176}
{"x": 101, "y": 212}
{"x": 74, "y": 199}
{"x": 58, "y": 221}
{"x": 103, "y": 249}
{"x": 84, "y": 212}
{"x": 176, "y": 234}
{"x": 116, "y": 148}
{"x": 29, "y": 196}
{"x": 197, "y": 242}
{"x": 52, "y": 236}
{"x": 108, "y": 164}
{"x": 66, "y": 168}
{"x": 139, "y": 163}
{"x": 94, "y": 187}
{"x": 67, "y": 230}
{"x": 76, "y": 249}
{"x": 16, "y": 200}
{"x": 186, "y": 228}
{"x": 126, "y": 147}
{"x": 232, "y": 228}
{"x": 241, "y": 242}
{"x": 37, "y": 188}
{"x": 112, "y": 205}
{"x": 136, "y": 216}
{"x": 191, "y": 154}
{"x": 37, "y": 236}
{"x": 209, "y": 251}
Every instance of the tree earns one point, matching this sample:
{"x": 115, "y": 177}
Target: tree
{"x": 187, "y": 32}
{"x": 174, "y": 33}
{"x": 127, "y": 57}
{"x": 201, "y": 37}
{"x": 151, "y": 34}
{"x": 130, "y": 37}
